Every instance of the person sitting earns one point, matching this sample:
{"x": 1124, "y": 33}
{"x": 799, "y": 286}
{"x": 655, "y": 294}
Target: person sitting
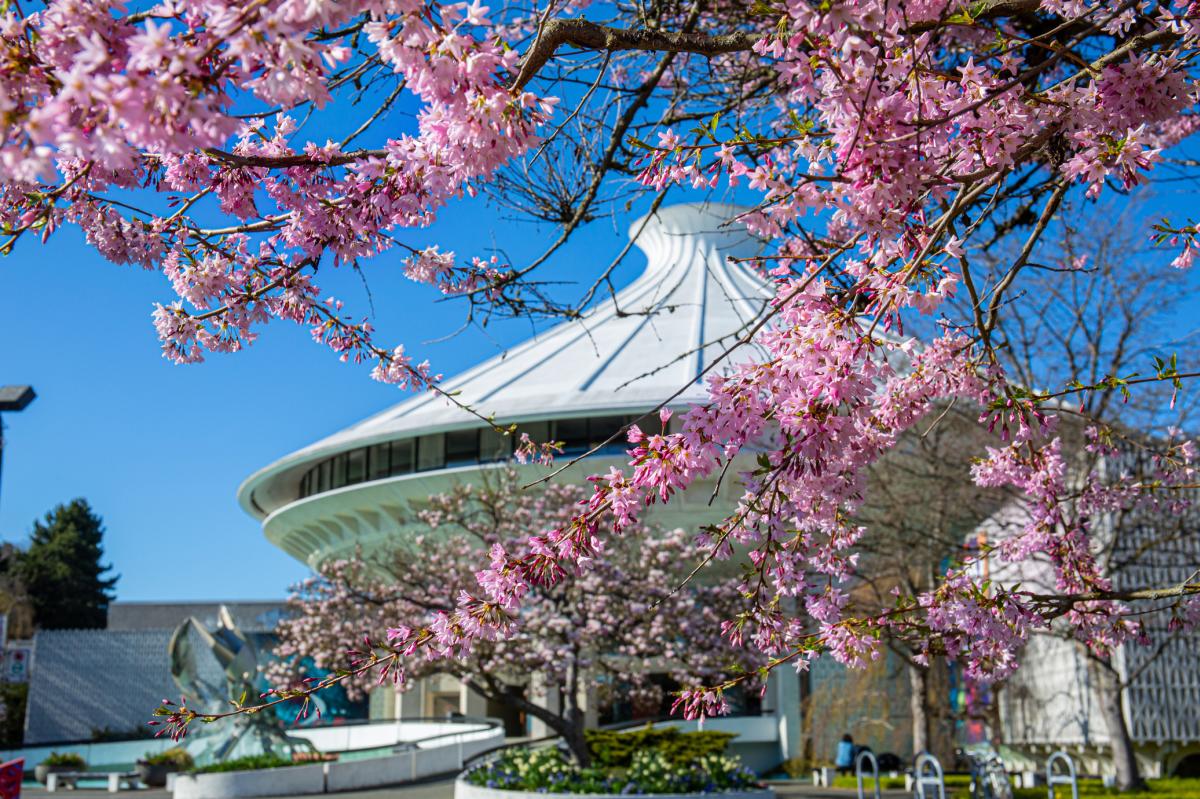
{"x": 844, "y": 760}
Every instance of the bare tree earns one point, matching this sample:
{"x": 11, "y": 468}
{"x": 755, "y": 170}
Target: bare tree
{"x": 1102, "y": 305}
{"x": 922, "y": 510}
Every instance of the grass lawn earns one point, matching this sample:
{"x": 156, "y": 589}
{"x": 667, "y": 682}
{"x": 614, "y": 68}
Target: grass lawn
{"x": 957, "y": 787}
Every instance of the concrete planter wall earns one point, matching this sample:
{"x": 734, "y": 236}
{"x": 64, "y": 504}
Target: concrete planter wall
{"x": 465, "y": 790}
{"x": 286, "y": 781}
{"x": 350, "y": 775}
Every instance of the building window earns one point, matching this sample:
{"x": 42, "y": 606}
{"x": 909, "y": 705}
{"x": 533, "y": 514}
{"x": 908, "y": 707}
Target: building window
{"x": 462, "y": 447}
{"x": 381, "y": 461}
{"x": 402, "y": 456}
{"x": 493, "y": 446}
{"x": 356, "y": 466}
{"x": 338, "y": 477}
{"x": 457, "y": 448}
{"x": 430, "y": 452}
{"x": 573, "y": 433}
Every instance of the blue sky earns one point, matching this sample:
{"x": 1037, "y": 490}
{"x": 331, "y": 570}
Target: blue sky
{"x": 159, "y": 450}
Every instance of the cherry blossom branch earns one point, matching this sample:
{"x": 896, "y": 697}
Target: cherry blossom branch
{"x": 588, "y": 35}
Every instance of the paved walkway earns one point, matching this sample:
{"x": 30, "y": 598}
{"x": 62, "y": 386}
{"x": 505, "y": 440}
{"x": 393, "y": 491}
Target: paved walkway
{"x": 802, "y": 790}
{"x": 434, "y": 789}
{"x": 442, "y": 788}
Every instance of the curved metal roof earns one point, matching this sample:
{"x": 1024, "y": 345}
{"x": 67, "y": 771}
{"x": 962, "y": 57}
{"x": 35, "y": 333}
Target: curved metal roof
{"x": 627, "y": 353}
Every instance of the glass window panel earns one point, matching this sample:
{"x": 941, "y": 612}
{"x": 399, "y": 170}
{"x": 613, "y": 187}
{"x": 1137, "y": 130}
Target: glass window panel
{"x": 356, "y": 465}
{"x": 402, "y": 456}
{"x": 431, "y": 453}
{"x": 493, "y": 446}
{"x": 604, "y": 426}
{"x": 573, "y": 433}
{"x": 338, "y": 478}
{"x": 462, "y": 447}
{"x": 323, "y": 481}
{"x": 539, "y": 432}
{"x": 304, "y": 485}
{"x": 381, "y": 461}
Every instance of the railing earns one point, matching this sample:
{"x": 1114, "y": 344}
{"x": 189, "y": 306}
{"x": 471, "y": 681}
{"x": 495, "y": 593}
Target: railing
{"x": 125, "y": 753}
{"x": 349, "y": 737}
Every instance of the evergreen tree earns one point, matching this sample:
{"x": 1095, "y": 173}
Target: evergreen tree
{"x": 62, "y": 571}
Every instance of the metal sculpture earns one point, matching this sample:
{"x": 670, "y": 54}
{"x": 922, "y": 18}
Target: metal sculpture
{"x": 213, "y": 668}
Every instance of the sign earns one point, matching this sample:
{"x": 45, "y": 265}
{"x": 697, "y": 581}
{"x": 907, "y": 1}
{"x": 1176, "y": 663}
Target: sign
{"x": 11, "y": 774}
{"x": 16, "y": 665}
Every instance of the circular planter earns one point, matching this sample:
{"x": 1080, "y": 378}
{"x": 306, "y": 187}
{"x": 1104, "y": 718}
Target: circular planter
{"x": 465, "y": 790}
{"x": 154, "y": 775}
{"x": 41, "y": 771}
{"x": 283, "y": 781}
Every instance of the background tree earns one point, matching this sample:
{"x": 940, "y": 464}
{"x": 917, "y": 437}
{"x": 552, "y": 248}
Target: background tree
{"x": 16, "y": 604}
{"x": 62, "y": 569}
{"x": 884, "y": 146}
{"x": 1098, "y": 303}
{"x": 922, "y": 512}
{"x": 608, "y": 628}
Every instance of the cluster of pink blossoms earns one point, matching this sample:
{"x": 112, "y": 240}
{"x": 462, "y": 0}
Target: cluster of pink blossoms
{"x": 100, "y": 101}
{"x": 894, "y": 140}
{"x": 898, "y": 146}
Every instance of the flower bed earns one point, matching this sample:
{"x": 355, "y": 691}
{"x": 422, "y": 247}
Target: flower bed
{"x": 650, "y": 771}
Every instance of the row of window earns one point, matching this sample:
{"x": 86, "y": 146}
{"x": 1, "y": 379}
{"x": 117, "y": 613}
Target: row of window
{"x": 456, "y": 448}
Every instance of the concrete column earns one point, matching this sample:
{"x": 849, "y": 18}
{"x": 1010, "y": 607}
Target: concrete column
{"x": 411, "y": 704}
{"x": 471, "y": 703}
{"x": 783, "y": 696}
{"x": 589, "y": 701}
{"x": 545, "y": 695}
{"x": 381, "y": 703}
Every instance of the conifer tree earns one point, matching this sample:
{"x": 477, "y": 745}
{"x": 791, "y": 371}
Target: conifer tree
{"x": 63, "y": 572}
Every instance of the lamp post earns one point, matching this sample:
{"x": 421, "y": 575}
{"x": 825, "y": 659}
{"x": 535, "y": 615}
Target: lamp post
{"x": 12, "y": 399}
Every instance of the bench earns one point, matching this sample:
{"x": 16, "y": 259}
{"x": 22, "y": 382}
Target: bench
{"x": 65, "y": 779}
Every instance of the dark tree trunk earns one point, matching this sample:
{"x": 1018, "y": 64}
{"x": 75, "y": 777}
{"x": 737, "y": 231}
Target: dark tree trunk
{"x": 572, "y": 734}
{"x": 1108, "y": 691}
{"x": 574, "y": 718}
{"x": 569, "y": 724}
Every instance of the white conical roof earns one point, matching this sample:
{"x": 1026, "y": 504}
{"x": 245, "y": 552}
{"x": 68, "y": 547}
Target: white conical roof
{"x": 623, "y": 355}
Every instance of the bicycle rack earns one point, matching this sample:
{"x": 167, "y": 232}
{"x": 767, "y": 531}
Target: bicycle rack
{"x": 866, "y": 756}
{"x": 927, "y": 772}
{"x": 1068, "y": 778}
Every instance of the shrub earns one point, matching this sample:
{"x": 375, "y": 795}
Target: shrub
{"x": 547, "y": 770}
{"x": 616, "y": 749}
{"x": 886, "y": 783}
{"x": 176, "y": 756}
{"x": 248, "y": 763}
{"x": 69, "y": 759}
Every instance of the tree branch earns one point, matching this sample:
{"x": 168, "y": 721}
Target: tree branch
{"x": 590, "y": 36}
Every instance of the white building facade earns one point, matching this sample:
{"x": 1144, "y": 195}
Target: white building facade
{"x": 577, "y": 383}
{"x": 1057, "y": 699}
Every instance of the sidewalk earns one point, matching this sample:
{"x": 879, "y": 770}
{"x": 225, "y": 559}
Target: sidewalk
{"x": 803, "y": 790}
{"x": 442, "y": 788}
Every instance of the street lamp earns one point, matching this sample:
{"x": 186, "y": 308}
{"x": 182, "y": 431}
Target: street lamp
{"x": 12, "y": 399}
